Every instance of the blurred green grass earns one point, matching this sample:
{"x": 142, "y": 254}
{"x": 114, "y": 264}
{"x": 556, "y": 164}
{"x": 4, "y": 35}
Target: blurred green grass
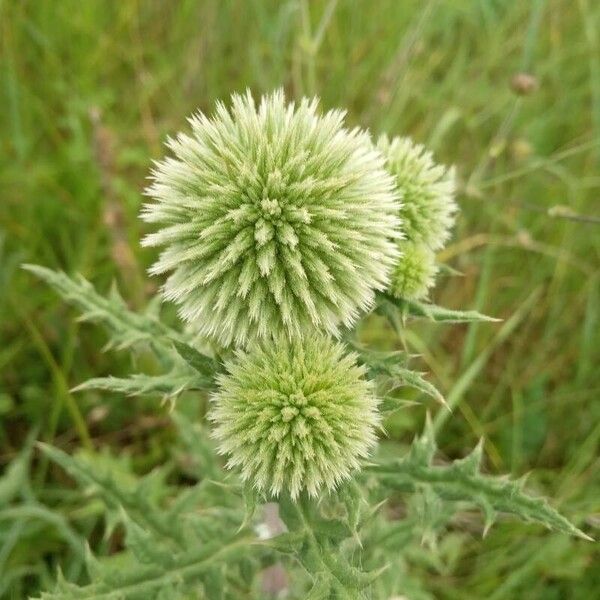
{"x": 89, "y": 92}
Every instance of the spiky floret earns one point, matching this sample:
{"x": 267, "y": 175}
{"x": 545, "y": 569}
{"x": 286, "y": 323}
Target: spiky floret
{"x": 295, "y": 416}
{"x": 414, "y": 273}
{"x": 275, "y": 218}
{"x": 426, "y": 188}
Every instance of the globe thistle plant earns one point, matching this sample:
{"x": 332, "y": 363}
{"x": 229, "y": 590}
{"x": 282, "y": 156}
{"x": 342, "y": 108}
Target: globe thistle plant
{"x": 295, "y": 416}
{"x": 274, "y": 218}
{"x": 277, "y": 226}
{"x": 414, "y": 273}
{"x": 426, "y": 188}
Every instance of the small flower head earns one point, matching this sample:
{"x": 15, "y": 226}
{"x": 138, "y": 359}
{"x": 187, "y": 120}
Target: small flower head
{"x": 295, "y": 416}
{"x": 426, "y": 189}
{"x": 274, "y": 219}
{"x": 414, "y": 273}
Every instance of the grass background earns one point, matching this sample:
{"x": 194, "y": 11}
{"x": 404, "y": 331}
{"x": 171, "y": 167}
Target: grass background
{"x": 89, "y": 91}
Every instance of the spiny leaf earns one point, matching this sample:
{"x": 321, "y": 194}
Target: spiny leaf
{"x": 168, "y": 385}
{"x": 432, "y": 312}
{"x": 392, "y": 365}
{"x": 462, "y": 481}
{"x": 205, "y": 365}
{"x": 251, "y": 498}
{"x": 321, "y": 587}
{"x": 114, "y": 494}
{"x": 286, "y": 543}
{"x": 448, "y": 270}
{"x": 143, "y": 581}
{"x": 379, "y": 362}
{"x": 93, "y": 566}
{"x": 320, "y": 541}
{"x": 332, "y": 530}
{"x": 197, "y": 442}
{"x": 424, "y": 447}
{"x": 416, "y": 380}
{"x": 214, "y": 583}
{"x": 125, "y": 327}
{"x": 145, "y": 547}
{"x": 352, "y": 497}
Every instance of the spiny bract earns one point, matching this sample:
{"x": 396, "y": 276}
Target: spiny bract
{"x": 276, "y": 219}
{"x": 426, "y": 189}
{"x": 295, "y": 415}
{"x": 415, "y": 272}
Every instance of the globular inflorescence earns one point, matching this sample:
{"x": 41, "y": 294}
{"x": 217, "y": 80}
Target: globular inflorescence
{"x": 278, "y": 225}
{"x": 295, "y": 416}
{"x": 427, "y": 190}
{"x": 428, "y": 213}
{"x": 274, "y": 219}
{"x": 415, "y": 272}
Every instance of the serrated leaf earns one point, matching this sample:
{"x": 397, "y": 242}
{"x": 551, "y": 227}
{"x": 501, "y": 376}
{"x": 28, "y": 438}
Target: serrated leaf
{"x": 379, "y": 362}
{"x": 286, "y": 543}
{"x": 321, "y": 587}
{"x": 290, "y": 514}
{"x": 205, "y": 365}
{"x": 251, "y": 499}
{"x": 142, "y": 581}
{"x": 459, "y": 481}
{"x": 471, "y": 464}
{"x": 392, "y": 366}
{"x": 416, "y": 380}
{"x": 424, "y": 447}
{"x": 352, "y": 497}
{"x": 214, "y": 583}
{"x": 431, "y": 312}
{"x": 125, "y": 327}
{"x": 332, "y": 530}
{"x": 143, "y": 544}
{"x": 197, "y": 442}
{"x": 115, "y": 494}
{"x": 319, "y": 537}
{"x": 446, "y": 269}
{"x": 92, "y": 564}
{"x": 168, "y": 385}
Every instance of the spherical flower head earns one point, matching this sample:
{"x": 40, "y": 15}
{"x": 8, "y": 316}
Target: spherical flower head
{"x": 427, "y": 191}
{"x": 274, "y": 219}
{"x": 415, "y": 272}
{"x": 295, "y": 416}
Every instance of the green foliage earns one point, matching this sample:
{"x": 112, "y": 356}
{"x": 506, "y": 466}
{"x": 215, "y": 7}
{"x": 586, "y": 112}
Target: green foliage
{"x": 203, "y": 539}
{"x": 398, "y": 310}
{"x": 463, "y": 481}
{"x": 125, "y": 327}
{"x": 440, "y": 72}
{"x": 175, "y": 546}
{"x": 391, "y": 368}
{"x": 170, "y": 384}
{"x": 189, "y": 368}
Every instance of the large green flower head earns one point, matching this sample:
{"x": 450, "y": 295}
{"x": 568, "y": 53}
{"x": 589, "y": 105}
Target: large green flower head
{"x": 426, "y": 188}
{"x": 295, "y": 416}
{"x": 274, "y": 219}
